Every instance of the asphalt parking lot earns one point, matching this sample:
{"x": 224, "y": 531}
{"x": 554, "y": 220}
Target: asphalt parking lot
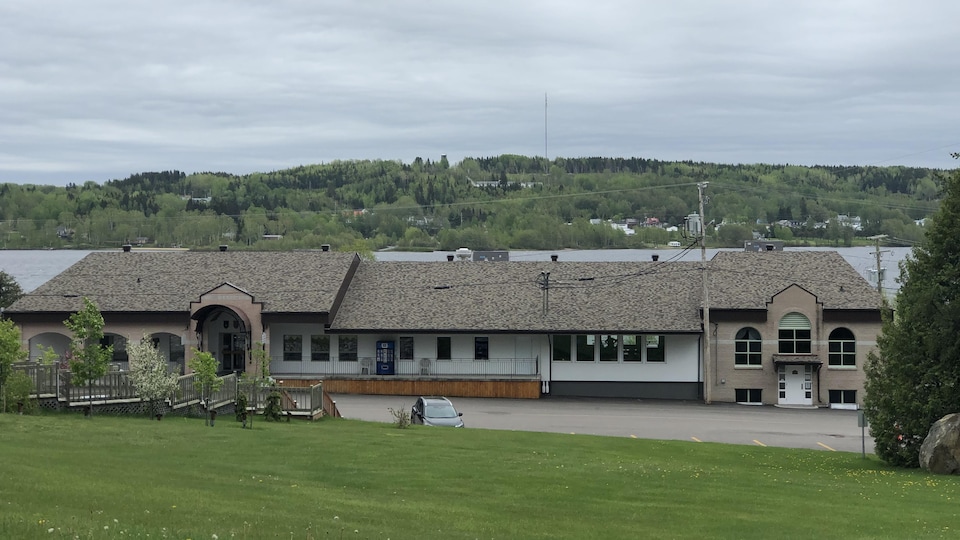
{"x": 818, "y": 429}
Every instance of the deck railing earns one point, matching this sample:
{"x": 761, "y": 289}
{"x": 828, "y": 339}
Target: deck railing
{"x": 493, "y": 368}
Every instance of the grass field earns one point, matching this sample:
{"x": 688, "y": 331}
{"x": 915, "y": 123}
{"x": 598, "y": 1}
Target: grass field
{"x": 108, "y": 477}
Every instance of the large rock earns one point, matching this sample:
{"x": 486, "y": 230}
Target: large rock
{"x": 940, "y": 451}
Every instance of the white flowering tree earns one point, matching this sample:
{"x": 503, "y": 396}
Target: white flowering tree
{"x": 149, "y": 374}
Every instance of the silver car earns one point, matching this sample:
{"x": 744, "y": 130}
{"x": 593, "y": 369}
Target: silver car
{"x": 435, "y": 411}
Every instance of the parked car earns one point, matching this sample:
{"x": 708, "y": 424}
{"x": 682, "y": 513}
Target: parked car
{"x": 435, "y": 411}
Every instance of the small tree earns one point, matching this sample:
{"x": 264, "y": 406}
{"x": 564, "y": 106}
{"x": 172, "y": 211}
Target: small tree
{"x": 149, "y": 374}
{"x": 10, "y": 351}
{"x": 204, "y": 367}
{"x": 261, "y": 373}
{"x": 89, "y": 359}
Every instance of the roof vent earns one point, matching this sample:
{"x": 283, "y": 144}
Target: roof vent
{"x": 127, "y": 247}
{"x": 449, "y": 257}
{"x": 324, "y": 247}
{"x": 655, "y": 257}
{"x": 554, "y": 258}
{"x": 223, "y": 247}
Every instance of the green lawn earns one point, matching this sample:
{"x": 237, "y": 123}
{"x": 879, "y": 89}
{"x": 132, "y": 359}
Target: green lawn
{"x": 110, "y": 477}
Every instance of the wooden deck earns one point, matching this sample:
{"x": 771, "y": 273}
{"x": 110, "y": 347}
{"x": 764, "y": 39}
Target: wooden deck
{"x": 419, "y": 386}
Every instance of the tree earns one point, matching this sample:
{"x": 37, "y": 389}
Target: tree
{"x": 11, "y": 351}
{"x": 88, "y": 357}
{"x": 204, "y": 367}
{"x": 10, "y": 290}
{"x": 914, "y": 379}
{"x": 149, "y": 374}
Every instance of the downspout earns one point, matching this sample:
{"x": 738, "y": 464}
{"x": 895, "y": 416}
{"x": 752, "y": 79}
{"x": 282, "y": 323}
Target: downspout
{"x": 700, "y": 365}
{"x": 545, "y": 383}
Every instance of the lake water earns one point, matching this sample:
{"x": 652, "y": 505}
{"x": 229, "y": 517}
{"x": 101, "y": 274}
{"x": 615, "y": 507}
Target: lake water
{"x": 32, "y": 268}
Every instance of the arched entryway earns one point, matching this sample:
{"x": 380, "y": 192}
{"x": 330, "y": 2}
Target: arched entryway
{"x": 58, "y": 343}
{"x": 226, "y": 334}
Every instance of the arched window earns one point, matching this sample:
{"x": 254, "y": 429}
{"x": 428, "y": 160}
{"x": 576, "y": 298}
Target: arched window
{"x": 794, "y": 334}
{"x": 843, "y": 348}
{"x": 747, "y": 345}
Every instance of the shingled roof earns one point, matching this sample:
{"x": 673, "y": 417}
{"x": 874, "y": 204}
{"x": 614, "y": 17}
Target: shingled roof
{"x": 749, "y": 280}
{"x": 285, "y": 282}
{"x": 505, "y": 297}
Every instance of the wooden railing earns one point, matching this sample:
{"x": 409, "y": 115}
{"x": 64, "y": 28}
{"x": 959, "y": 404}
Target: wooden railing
{"x": 116, "y": 386}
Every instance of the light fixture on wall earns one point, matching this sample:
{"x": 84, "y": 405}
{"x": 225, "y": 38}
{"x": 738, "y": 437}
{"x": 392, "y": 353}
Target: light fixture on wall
{"x": 226, "y": 324}
{"x": 236, "y": 324}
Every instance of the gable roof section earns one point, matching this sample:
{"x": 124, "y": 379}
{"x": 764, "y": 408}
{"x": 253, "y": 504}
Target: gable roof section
{"x": 749, "y": 280}
{"x": 284, "y": 282}
{"x": 505, "y": 297}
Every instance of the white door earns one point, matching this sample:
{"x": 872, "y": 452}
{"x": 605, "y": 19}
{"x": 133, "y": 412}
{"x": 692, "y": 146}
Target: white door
{"x": 795, "y": 384}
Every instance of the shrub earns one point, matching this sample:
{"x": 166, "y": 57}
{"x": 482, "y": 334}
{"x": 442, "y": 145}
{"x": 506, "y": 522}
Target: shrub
{"x": 401, "y": 417}
{"x": 272, "y": 410}
{"x": 18, "y": 388}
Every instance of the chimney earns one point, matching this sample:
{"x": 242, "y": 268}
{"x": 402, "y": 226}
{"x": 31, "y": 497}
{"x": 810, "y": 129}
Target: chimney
{"x": 324, "y": 247}
{"x": 655, "y": 257}
{"x": 449, "y": 257}
{"x": 126, "y": 248}
{"x": 554, "y": 258}
{"x": 223, "y": 247}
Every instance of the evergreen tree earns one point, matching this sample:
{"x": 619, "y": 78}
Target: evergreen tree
{"x": 10, "y": 290}
{"x": 914, "y": 380}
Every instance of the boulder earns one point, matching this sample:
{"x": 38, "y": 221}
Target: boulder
{"x": 940, "y": 451}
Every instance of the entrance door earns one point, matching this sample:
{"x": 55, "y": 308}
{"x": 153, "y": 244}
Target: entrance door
{"x": 796, "y": 384}
{"x": 232, "y": 352}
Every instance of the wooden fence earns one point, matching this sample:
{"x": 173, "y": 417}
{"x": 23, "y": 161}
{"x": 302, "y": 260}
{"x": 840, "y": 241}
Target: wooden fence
{"x": 116, "y": 386}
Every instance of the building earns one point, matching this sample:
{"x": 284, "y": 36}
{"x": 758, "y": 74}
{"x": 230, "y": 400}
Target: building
{"x": 790, "y": 328}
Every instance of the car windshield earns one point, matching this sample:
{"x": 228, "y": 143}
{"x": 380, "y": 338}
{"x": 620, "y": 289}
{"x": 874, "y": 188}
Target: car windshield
{"x": 440, "y": 410}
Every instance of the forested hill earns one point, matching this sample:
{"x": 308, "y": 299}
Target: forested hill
{"x": 502, "y": 202}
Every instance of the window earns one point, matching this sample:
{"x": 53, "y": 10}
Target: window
{"x": 443, "y": 348}
{"x": 843, "y": 397}
{"x": 347, "y": 348}
{"x": 406, "y": 348}
{"x": 609, "y": 348}
{"x": 655, "y": 352}
{"x": 794, "y": 334}
{"x": 292, "y": 348}
{"x": 585, "y": 347}
{"x": 320, "y": 348}
{"x": 561, "y": 348}
{"x": 747, "y": 344}
{"x": 843, "y": 348}
{"x": 748, "y": 395}
{"x": 481, "y": 348}
{"x": 631, "y": 348}
{"x": 119, "y": 344}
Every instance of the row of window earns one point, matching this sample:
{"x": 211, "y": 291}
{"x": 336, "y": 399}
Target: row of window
{"x": 754, "y": 395}
{"x": 319, "y": 348}
{"x": 841, "y": 346}
{"x": 566, "y": 348}
{"x": 347, "y": 348}
{"x": 609, "y": 348}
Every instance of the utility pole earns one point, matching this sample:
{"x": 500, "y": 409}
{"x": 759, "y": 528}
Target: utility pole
{"x": 707, "y": 363}
{"x": 877, "y": 252}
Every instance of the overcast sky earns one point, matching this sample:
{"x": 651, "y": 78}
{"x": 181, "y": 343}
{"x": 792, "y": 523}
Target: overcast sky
{"x": 99, "y": 89}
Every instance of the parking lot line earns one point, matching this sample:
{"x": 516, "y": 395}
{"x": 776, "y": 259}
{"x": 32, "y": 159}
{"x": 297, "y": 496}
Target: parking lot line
{"x": 825, "y": 446}
{"x": 758, "y": 442}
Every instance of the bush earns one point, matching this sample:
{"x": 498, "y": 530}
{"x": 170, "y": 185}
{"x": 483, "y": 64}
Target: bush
{"x": 18, "y": 389}
{"x": 401, "y": 417}
{"x": 272, "y": 410}
{"x": 241, "y": 405}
